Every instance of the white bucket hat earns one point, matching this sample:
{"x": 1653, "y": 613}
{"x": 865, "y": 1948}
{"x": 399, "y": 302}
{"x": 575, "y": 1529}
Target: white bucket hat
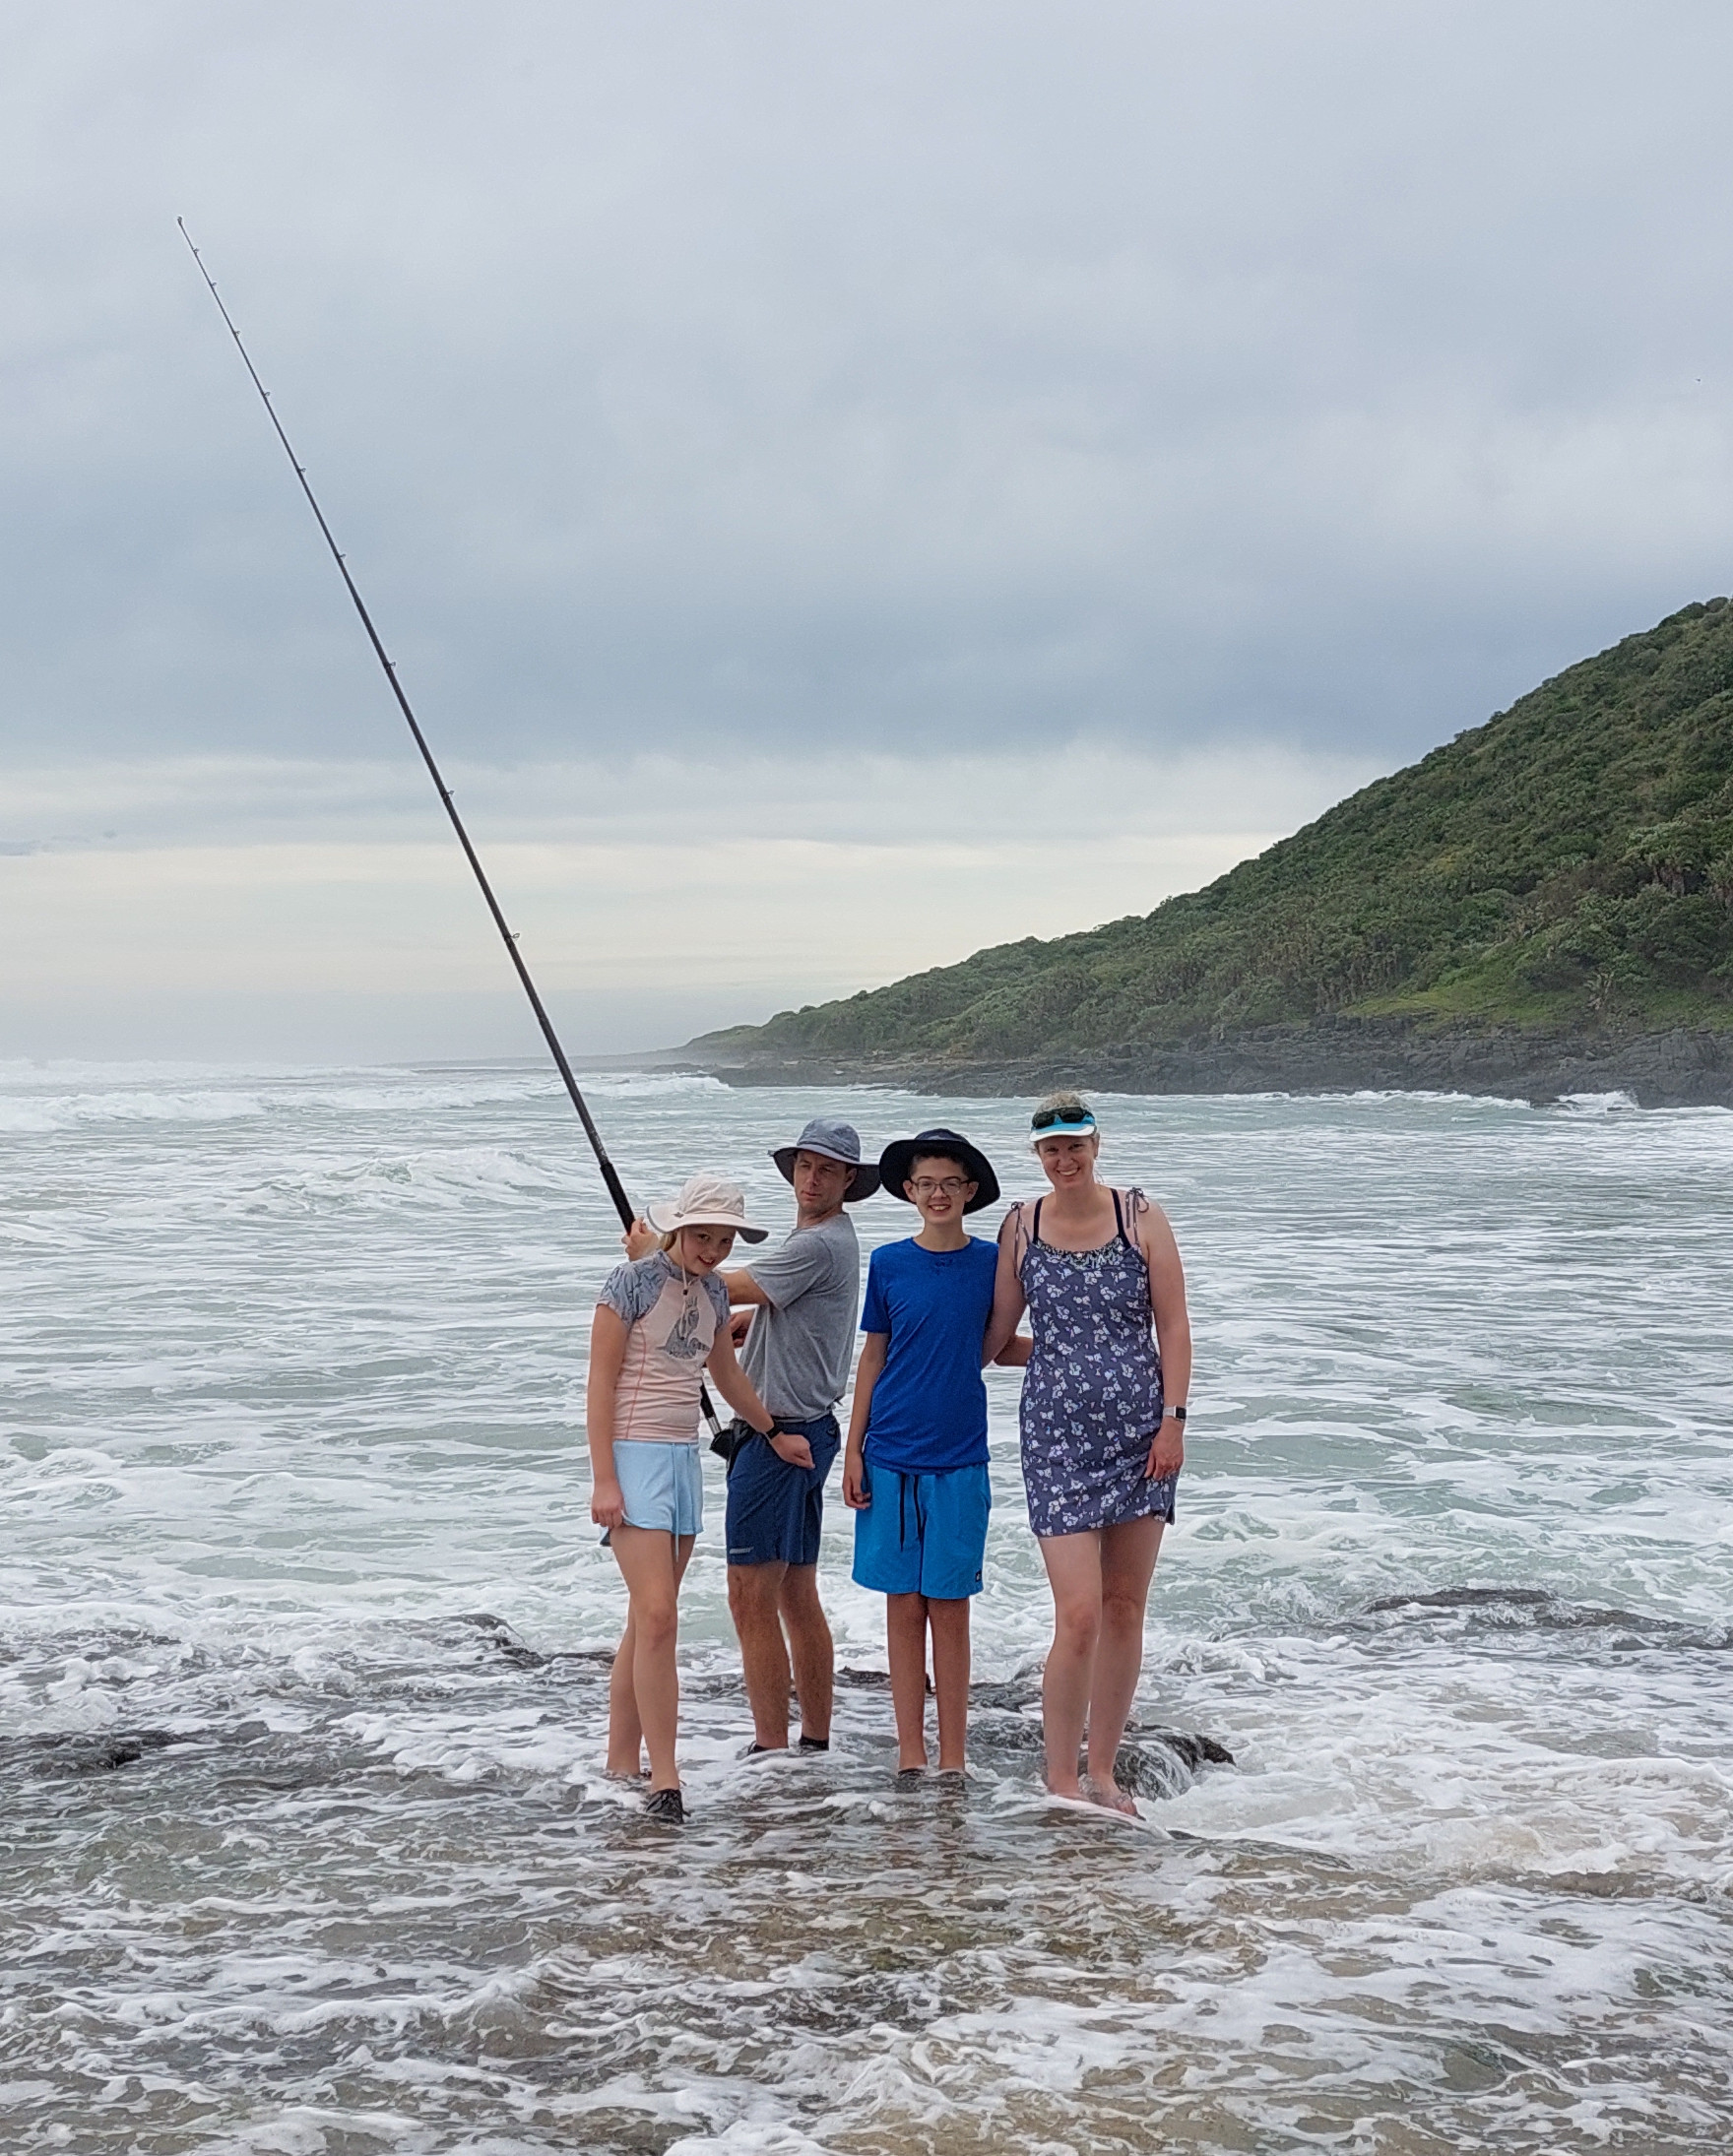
{"x": 705, "y": 1201}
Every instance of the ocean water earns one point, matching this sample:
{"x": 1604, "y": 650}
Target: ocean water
{"x": 305, "y": 1847}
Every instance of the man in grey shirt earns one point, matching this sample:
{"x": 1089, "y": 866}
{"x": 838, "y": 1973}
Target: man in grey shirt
{"x": 804, "y": 1298}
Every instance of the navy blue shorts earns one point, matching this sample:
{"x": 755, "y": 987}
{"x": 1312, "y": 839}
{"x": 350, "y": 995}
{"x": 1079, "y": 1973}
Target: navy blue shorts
{"x": 775, "y": 1512}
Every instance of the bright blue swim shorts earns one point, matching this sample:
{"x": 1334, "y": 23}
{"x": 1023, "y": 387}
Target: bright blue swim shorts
{"x": 662, "y": 1483}
{"x": 922, "y": 1533}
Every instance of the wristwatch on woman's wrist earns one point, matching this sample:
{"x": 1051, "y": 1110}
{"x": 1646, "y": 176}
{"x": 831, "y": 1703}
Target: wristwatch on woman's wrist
{"x": 1178, "y": 1413}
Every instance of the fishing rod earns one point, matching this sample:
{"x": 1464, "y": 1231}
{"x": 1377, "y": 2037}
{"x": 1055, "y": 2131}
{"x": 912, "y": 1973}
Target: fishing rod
{"x": 622, "y": 1205}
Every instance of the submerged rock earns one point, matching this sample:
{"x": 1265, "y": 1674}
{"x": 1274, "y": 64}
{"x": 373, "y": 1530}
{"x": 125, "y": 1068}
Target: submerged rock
{"x": 499, "y": 1635}
{"x": 1539, "y": 1609}
{"x": 83, "y": 1752}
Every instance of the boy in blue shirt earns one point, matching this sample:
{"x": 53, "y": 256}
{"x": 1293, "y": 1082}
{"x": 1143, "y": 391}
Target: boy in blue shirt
{"x": 915, "y": 1469}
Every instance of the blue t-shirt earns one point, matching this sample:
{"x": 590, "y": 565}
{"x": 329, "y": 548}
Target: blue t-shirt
{"x": 930, "y": 1406}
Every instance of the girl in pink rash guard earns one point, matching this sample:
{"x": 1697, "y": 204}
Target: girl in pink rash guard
{"x": 661, "y": 1322}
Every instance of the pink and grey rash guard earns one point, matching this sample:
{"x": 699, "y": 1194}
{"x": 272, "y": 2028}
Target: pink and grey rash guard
{"x": 671, "y": 1317}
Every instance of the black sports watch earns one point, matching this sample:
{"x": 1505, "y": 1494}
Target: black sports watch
{"x": 1178, "y": 1413}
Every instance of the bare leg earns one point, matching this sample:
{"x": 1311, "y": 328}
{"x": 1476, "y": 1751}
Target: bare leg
{"x": 810, "y": 1644}
{"x": 752, "y": 1592}
{"x": 949, "y": 1619}
{"x": 1074, "y": 1572}
{"x": 1127, "y": 1559}
{"x": 652, "y": 1564}
{"x": 905, "y": 1634}
{"x": 625, "y": 1734}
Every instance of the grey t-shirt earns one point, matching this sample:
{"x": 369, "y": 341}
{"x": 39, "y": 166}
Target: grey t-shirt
{"x": 800, "y": 1346}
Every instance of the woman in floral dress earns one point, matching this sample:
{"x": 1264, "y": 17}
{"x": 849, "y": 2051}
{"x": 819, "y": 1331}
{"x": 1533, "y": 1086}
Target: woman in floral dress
{"x": 1103, "y": 1415}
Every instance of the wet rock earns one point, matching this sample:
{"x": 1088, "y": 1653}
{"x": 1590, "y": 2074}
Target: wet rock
{"x": 1540, "y": 1611}
{"x": 499, "y": 1635}
{"x": 1012, "y": 1698}
{"x": 1461, "y": 1597}
{"x": 1152, "y": 1764}
{"x": 1164, "y": 1762}
{"x": 84, "y": 1752}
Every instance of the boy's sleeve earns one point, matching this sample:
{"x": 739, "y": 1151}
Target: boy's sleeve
{"x": 803, "y": 1262}
{"x": 874, "y": 1312}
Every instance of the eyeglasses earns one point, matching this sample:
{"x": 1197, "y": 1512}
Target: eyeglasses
{"x": 926, "y": 1187}
{"x": 1043, "y": 1118}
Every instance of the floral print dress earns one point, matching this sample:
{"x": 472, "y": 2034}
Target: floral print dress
{"x": 1092, "y": 1393}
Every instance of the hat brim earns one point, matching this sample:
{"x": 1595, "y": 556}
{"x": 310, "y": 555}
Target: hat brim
{"x": 862, "y": 1184}
{"x": 667, "y": 1220}
{"x": 898, "y": 1159}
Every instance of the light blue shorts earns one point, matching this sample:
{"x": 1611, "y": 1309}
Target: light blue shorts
{"x": 662, "y": 1483}
{"x": 922, "y": 1533}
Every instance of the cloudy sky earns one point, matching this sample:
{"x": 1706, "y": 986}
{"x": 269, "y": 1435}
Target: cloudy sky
{"x": 844, "y": 484}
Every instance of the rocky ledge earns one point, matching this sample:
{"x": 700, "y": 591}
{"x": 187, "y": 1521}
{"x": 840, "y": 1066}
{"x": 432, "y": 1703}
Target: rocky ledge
{"x": 1682, "y": 1068}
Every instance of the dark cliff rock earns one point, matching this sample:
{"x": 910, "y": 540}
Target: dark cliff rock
{"x": 1680, "y": 1069}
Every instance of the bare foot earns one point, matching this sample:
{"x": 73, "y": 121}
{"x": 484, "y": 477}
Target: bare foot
{"x": 1110, "y": 1796}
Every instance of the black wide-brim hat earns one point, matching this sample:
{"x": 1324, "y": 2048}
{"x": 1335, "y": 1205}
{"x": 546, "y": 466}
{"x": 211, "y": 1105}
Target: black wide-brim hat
{"x": 896, "y": 1163}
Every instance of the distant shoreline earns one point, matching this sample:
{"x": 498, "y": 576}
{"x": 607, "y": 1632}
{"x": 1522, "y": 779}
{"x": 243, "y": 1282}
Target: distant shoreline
{"x": 1680, "y": 1068}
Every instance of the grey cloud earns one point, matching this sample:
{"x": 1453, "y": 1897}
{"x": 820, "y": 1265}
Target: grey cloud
{"x": 1103, "y": 793}
{"x": 822, "y": 376}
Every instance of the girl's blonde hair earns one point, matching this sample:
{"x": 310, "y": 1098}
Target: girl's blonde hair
{"x": 667, "y": 1242}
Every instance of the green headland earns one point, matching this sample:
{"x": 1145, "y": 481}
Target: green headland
{"x": 1551, "y": 892}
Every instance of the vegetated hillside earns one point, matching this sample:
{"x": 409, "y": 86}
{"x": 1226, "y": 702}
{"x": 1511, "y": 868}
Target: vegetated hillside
{"x": 1568, "y": 864}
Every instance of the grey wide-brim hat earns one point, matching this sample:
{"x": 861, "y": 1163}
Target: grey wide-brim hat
{"x": 836, "y": 1142}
